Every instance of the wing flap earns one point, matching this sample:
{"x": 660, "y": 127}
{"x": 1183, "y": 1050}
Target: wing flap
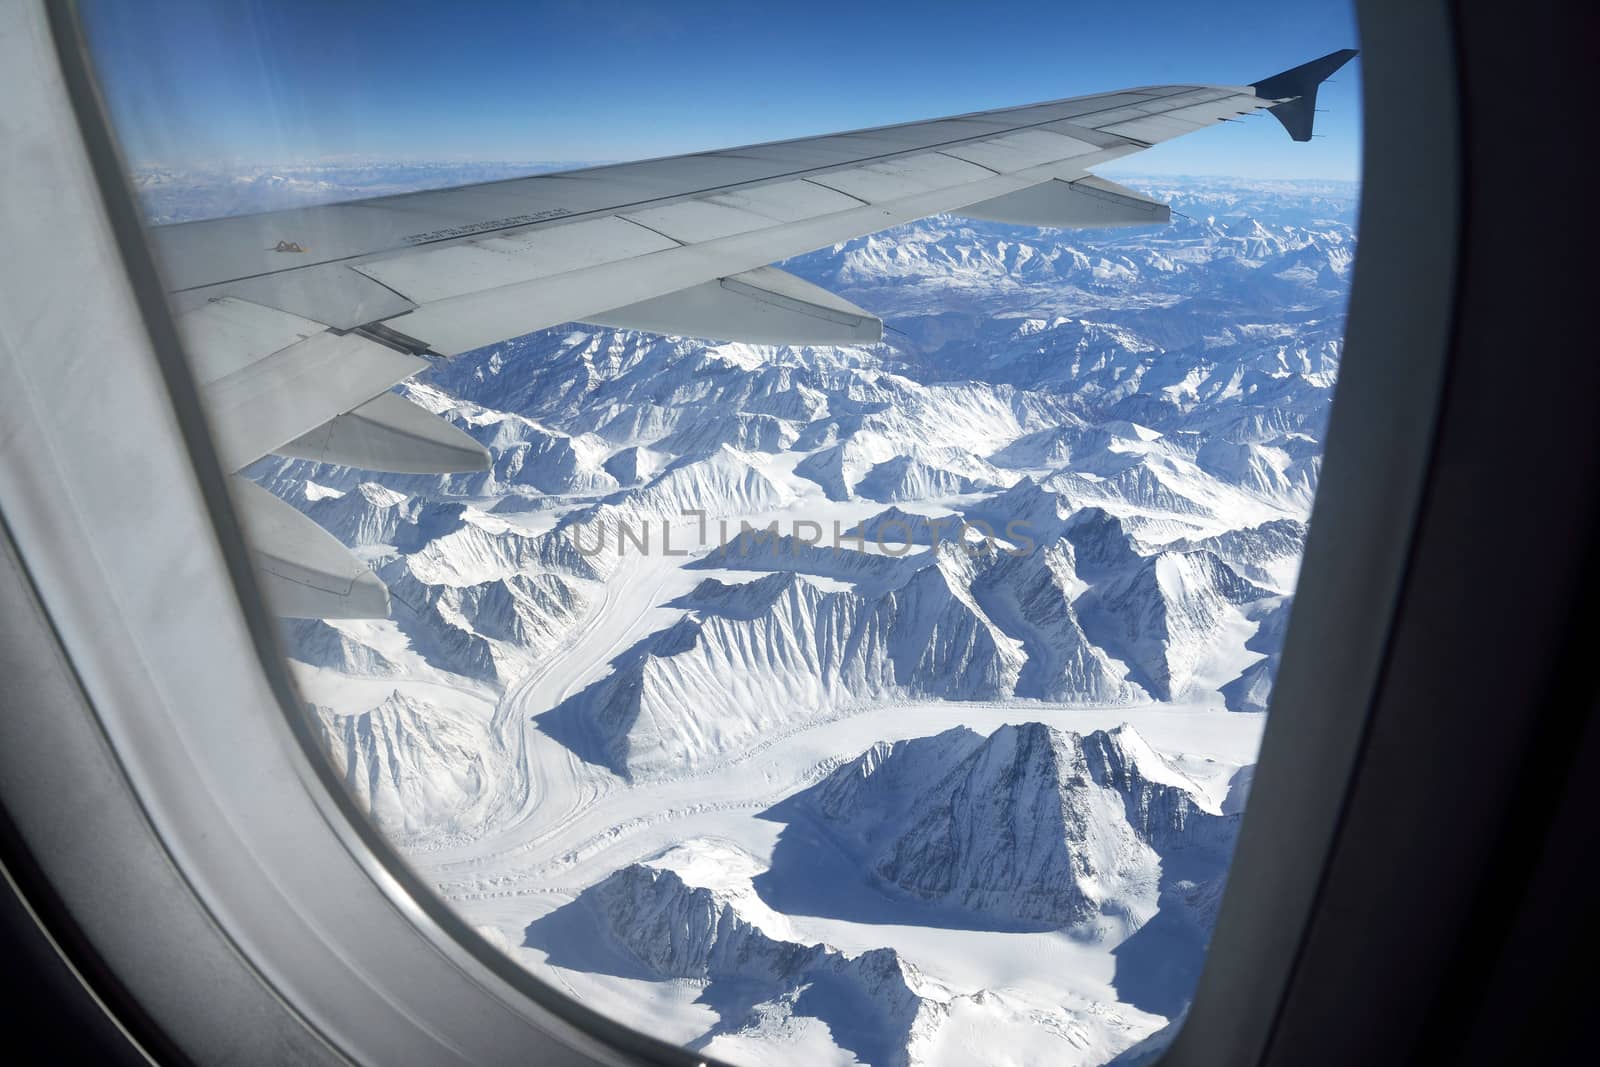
{"x": 304, "y": 570}
{"x": 331, "y": 294}
{"x": 390, "y": 433}
{"x": 763, "y": 306}
{"x": 1087, "y": 202}
{"x": 267, "y": 376}
{"x": 225, "y": 336}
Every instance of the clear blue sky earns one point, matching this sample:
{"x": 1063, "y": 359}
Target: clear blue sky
{"x": 207, "y": 81}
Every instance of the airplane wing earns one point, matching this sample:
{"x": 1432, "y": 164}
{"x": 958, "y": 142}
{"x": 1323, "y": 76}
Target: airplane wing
{"x": 300, "y": 322}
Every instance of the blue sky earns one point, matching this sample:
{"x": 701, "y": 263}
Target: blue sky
{"x": 202, "y": 82}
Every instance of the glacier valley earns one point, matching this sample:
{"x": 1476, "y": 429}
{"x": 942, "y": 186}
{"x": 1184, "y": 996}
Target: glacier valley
{"x": 906, "y": 712}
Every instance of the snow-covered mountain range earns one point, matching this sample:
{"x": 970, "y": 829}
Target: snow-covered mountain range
{"x": 832, "y": 704}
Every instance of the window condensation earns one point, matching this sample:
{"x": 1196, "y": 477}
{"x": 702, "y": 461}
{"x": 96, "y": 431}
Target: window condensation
{"x": 896, "y": 702}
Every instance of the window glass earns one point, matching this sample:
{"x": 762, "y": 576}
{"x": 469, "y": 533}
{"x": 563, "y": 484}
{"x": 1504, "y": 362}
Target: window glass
{"x": 891, "y": 701}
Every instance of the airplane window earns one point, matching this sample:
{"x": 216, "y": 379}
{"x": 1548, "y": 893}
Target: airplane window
{"x": 814, "y": 602}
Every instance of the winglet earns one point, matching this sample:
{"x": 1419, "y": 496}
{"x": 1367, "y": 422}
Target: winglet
{"x": 1297, "y": 89}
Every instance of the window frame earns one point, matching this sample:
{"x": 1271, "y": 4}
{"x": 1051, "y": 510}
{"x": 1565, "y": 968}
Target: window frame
{"x": 218, "y": 966}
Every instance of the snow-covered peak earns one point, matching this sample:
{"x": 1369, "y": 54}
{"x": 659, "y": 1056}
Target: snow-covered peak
{"x": 1030, "y": 825}
{"x": 726, "y": 481}
{"x": 369, "y": 514}
{"x": 689, "y": 914}
{"x": 416, "y": 768}
{"x": 725, "y": 871}
{"x": 1165, "y": 615}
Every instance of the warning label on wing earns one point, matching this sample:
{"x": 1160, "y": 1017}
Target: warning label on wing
{"x": 484, "y": 227}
